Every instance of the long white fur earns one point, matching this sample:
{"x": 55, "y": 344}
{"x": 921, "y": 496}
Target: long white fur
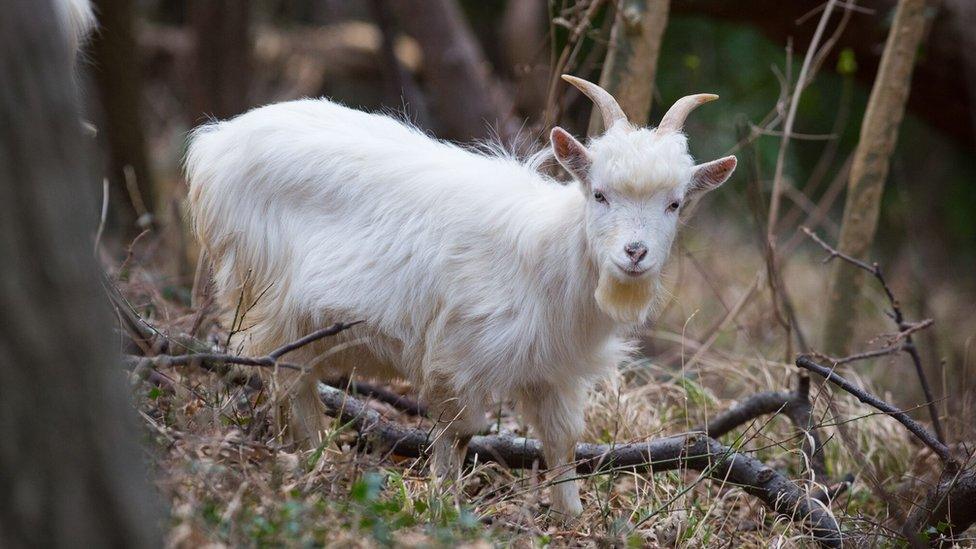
{"x": 476, "y": 274}
{"x": 77, "y": 20}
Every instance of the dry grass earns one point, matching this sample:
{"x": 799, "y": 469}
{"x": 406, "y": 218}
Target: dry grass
{"x": 230, "y": 483}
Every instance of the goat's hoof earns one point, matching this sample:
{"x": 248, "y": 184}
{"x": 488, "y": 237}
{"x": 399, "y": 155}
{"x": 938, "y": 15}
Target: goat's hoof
{"x": 566, "y": 515}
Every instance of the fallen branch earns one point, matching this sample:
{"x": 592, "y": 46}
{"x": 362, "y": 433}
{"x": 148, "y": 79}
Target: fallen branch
{"x": 402, "y": 403}
{"x": 691, "y": 451}
{"x": 796, "y": 406}
{"x": 949, "y": 508}
{"x": 793, "y": 404}
{"x": 916, "y": 428}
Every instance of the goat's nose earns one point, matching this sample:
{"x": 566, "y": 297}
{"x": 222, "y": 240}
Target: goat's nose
{"x": 636, "y": 251}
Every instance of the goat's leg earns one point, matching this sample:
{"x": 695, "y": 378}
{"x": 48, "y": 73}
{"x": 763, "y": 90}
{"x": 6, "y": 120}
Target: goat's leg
{"x": 455, "y": 424}
{"x": 298, "y": 411}
{"x": 307, "y": 422}
{"x": 556, "y": 414}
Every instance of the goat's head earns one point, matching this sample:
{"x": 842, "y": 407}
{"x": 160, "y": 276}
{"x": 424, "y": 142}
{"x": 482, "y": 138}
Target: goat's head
{"x": 635, "y": 181}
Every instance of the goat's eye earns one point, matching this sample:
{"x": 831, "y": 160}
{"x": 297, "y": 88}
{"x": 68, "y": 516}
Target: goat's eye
{"x": 673, "y": 207}
{"x": 598, "y": 196}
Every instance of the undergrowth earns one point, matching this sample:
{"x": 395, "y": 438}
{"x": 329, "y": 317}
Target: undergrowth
{"x": 231, "y": 481}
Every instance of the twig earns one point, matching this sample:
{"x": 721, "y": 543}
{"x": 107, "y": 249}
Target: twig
{"x": 899, "y": 319}
{"x": 893, "y": 347}
{"x": 690, "y": 451}
{"x": 312, "y": 337}
{"x": 795, "y": 405}
{"x": 715, "y": 331}
{"x": 560, "y": 66}
{"x": 801, "y": 84}
{"x": 271, "y": 360}
{"x": 916, "y": 428}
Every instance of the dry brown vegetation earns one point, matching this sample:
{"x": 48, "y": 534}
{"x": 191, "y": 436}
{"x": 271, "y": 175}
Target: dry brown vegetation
{"x": 231, "y": 482}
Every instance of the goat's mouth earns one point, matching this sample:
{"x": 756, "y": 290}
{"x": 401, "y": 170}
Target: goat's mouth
{"x": 632, "y": 271}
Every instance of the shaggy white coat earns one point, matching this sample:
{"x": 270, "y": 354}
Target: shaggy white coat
{"x": 77, "y": 19}
{"x": 480, "y": 279}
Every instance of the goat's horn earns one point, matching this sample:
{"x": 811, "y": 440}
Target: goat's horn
{"x": 674, "y": 119}
{"x": 609, "y": 108}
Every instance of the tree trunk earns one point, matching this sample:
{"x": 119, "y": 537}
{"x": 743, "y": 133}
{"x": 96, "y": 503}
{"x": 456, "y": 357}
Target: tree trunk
{"x": 71, "y": 474}
{"x": 401, "y": 87}
{"x": 879, "y": 133}
{"x": 222, "y": 58}
{"x": 115, "y": 69}
{"x": 464, "y": 96}
{"x": 524, "y": 34}
{"x": 635, "y": 44}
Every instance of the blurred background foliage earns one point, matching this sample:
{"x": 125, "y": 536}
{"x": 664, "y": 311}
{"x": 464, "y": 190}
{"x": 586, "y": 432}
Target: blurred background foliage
{"x": 930, "y": 194}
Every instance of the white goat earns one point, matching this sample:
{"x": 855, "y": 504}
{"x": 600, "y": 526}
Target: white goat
{"x": 480, "y": 279}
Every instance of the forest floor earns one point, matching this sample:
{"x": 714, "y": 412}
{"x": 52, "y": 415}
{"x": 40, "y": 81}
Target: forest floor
{"x": 229, "y": 480}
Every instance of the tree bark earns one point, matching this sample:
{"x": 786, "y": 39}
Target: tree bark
{"x": 464, "y": 96}
{"x": 71, "y": 474}
{"x": 524, "y": 33}
{"x": 116, "y": 74}
{"x": 631, "y": 64}
{"x": 879, "y": 133}
{"x": 222, "y": 58}
{"x": 949, "y": 508}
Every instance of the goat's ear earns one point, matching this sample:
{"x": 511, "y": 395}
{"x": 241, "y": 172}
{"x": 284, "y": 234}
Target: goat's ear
{"x": 710, "y": 175}
{"x": 570, "y": 153}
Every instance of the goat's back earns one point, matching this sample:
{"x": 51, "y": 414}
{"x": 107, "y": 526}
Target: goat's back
{"x": 329, "y": 213}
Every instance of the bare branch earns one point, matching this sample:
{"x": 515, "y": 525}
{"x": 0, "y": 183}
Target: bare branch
{"x": 834, "y": 252}
{"x": 312, "y": 337}
{"x": 566, "y": 58}
{"x": 917, "y": 429}
{"x": 403, "y": 403}
{"x": 899, "y": 319}
{"x": 793, "y": 404}
{"x": 801, "y": 83}
{"x": 271, "y": 360}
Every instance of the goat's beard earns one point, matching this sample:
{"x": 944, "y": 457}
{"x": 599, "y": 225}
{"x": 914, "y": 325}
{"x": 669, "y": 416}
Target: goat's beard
{"x": 629, "y": 301}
